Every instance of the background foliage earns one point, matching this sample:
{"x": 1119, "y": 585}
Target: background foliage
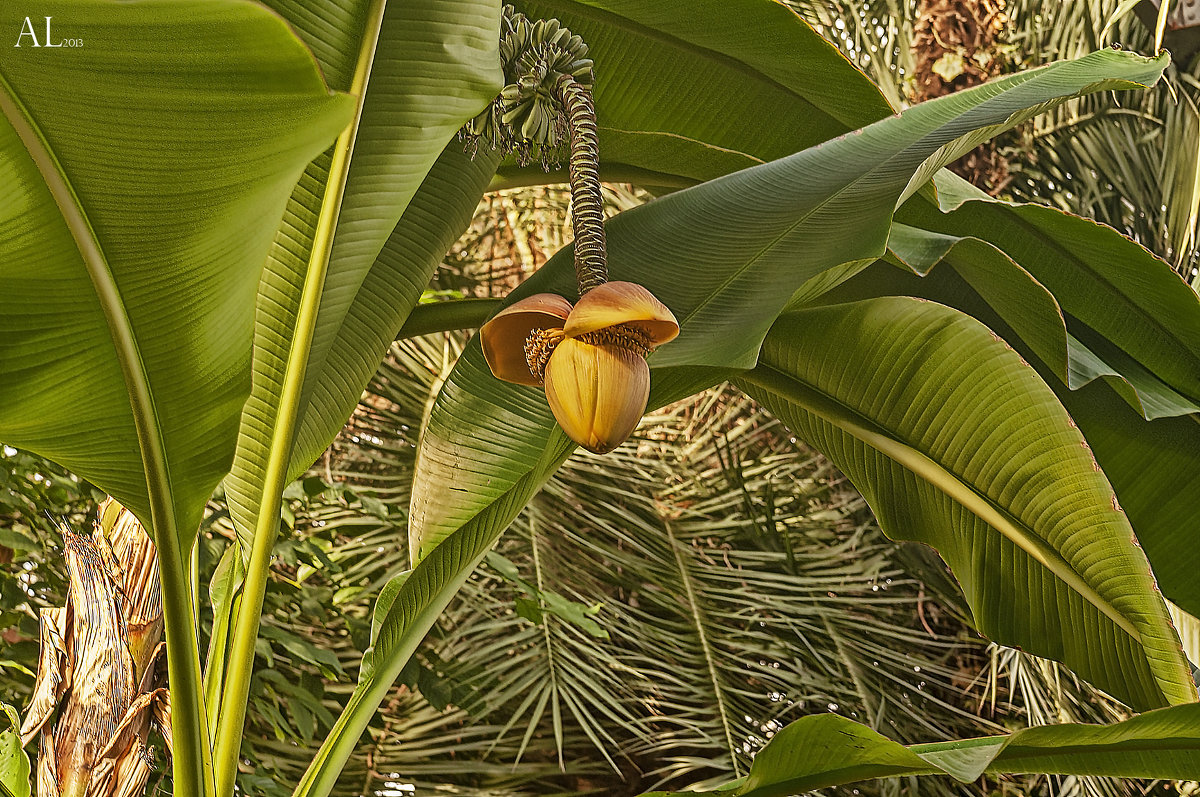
{"x": 657, "y": 614}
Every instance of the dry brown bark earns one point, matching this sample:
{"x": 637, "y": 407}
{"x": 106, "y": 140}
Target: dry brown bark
{"x": 100, "y": 685}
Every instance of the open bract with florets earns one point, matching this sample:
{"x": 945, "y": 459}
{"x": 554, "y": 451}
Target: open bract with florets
{"x": 591, "y": 358}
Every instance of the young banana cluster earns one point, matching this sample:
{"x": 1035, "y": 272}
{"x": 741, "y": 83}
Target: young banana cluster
{"x": 528, "y": 118}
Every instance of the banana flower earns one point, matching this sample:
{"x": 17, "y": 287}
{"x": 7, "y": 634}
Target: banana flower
{"x": 591, "y": 358}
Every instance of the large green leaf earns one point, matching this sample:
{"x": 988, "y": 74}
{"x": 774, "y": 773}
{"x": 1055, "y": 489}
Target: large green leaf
{"x": 1135, "y": 323}
{"x": 1025, "y": 304}
{"x": 432, "y": 222}
{"x": 725, "y": 256}
{"x": 428, "y": 68}
{"x": 736, "y": 237}
{"x": 1135, "y": 333}
{"x": 956, "y": 442}
{"x": 688, "y": 90}
{"x": 325, "y": 314}
{"x": 1151, "y": 464}
{"x": 145, "y": 172}
{"x": 126, "y": 299}
{"x": 827, "y": 750}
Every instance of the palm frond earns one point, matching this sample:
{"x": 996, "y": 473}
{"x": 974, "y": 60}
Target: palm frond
{"x": 738, "y": 576}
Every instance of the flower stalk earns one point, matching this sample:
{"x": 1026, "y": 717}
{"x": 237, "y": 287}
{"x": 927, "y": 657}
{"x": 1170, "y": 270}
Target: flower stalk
{"x": 547, "y": 107}
{"x": 587, "y": 208}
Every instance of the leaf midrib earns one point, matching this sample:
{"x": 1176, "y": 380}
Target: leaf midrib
{"x": 1010, "y": 751}
{"x": 548, "y": 641}
{"x": 1015, "y": 752}
{"x": 829, "y": 408}
{"x": 687, "y": 139}
{"x": 283, "y": 424}
{"x": 75, "y": 218}
{"x": 697, "y": 615}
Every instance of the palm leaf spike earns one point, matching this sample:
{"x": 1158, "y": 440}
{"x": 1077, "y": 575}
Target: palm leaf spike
{"x": 591, "y": 357}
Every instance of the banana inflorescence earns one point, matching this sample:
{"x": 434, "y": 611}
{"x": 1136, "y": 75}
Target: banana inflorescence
{"x": 589, "y": 356}
{"x": 528, "y": 117}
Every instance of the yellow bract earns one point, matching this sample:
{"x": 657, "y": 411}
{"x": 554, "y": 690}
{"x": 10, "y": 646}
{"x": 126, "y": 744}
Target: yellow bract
{"x": 503, "y": 337}
{"x": 622, "y": 304}
{"x": 596, "y": 379}
{"x": 597, "y": 393}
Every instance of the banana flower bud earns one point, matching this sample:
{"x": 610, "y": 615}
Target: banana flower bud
{"x": 591, "y": 358}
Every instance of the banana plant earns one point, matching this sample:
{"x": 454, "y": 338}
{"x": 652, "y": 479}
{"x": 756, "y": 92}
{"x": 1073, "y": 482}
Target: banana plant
{"x": 211, "y": 245}
{"x": 143, "y": 182}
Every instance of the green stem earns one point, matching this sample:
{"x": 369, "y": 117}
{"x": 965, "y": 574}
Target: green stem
{"x": 224, "y": 611}
{"x": 547, "y": 639}
{"x": 193, "y": 774}
{"x": 587, "y": 205}
{"x": 426, "y": 319}
{"x": 240, "y": 668}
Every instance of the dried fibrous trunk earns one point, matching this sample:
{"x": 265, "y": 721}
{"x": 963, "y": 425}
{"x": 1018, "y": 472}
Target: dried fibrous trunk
{"x": 959, "y": 44}
{"x": 99, "y": 690}
{"x": 133, "y": 561}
